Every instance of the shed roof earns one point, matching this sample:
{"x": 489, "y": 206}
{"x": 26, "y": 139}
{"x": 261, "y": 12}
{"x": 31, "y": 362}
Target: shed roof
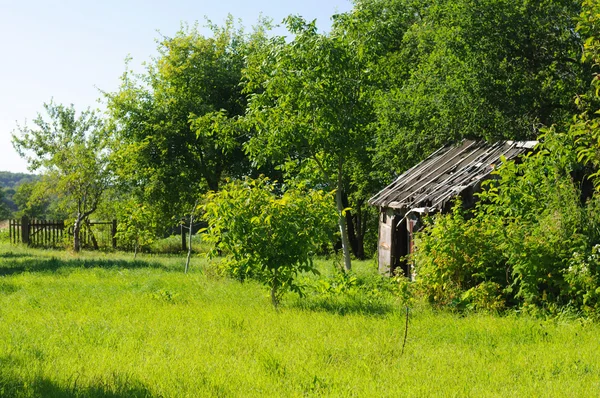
{"x": 446, "y": 173}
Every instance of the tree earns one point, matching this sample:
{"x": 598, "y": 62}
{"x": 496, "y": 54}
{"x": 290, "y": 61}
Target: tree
{"x": 70, "y": 151}
{"x": 4, "y": 210}
{"x": 451, "y": 69}
{"x": 34, "y": 201}
{"x": 135, "y": 226}
{"x": 586, "y": 126}
{"x": 534, "y": 236}
{"x": 175, "y": 124}
{"x": 267, "y": 236}
{"x": 308, "y": 104}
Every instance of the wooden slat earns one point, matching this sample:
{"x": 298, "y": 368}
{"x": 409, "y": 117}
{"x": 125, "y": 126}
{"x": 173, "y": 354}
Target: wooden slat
{"x": 446, "y": 173}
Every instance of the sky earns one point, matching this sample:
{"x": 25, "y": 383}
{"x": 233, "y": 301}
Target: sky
{"x": 69, "y": 50}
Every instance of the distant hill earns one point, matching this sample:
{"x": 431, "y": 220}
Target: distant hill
{"x": 9, "y": 182}
{"x": 13, "y": 180}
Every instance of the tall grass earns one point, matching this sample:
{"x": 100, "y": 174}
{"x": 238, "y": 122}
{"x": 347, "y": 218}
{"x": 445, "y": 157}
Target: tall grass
{"x": 102, "y": 325}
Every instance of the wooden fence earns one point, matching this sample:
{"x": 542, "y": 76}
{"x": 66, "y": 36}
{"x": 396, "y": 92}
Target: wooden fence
{"x": 52, "y": 233}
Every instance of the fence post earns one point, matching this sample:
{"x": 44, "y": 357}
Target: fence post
{"x": 25, "y": 230}
{"x": 113, "y": 233}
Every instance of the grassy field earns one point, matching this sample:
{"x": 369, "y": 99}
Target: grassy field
{"x": 101, "y": 325}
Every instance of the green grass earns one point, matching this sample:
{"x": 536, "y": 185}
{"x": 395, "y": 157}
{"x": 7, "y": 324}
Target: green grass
{"x": 102, "y": 325}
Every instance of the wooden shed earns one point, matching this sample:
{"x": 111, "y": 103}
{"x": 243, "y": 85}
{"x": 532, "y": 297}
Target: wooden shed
{"x": 429, "y": 187}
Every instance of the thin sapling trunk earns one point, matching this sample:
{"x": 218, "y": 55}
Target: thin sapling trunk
{"x": 342, "y": 220}
{"x": 189, "y": 254}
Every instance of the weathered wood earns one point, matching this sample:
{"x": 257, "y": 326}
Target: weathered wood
{"x": 430, "y": 185}
{"x": 25, "y": 230}
{"x": 433, "y": 181}
{"x": 50, "y": 233}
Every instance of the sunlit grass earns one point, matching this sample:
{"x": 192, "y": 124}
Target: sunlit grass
{"x": 101, "y": 325}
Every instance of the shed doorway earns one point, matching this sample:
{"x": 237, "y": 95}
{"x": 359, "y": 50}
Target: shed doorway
{"x": 400, "y": 247}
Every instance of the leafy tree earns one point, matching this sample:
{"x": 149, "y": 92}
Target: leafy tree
{"x": 70, "y": 151}
{"x": 586, "y": 126}
{"x": 452, "y": 69}
{"x": 308, "y": 106}
{"x": 534, "y": 238}
{"x": 175, "y": 124}
{"x": 135, "y": 226}
{"x": 4, "y": 210}
{"x": 267, "y": 236}
{"x": 33, "y": 201}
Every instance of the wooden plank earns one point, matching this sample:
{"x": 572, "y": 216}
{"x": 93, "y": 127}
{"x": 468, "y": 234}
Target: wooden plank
{"x": 425, "y": 180}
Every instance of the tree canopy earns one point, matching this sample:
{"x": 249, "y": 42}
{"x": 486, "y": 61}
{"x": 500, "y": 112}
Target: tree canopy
{"x": 310, "y": 105}
{"x": 173, "y": 125}
{"x": 70, "y": 150}
{"x": 447, "y": 70}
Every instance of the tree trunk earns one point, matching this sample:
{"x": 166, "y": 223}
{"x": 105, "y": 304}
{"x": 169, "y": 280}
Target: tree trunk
{"x": 77, "y": 233}
{"x": 274, "y": 296}
{"x": 189, "y": 254}
{"x": 352, "y": 234}
{"x": 342, "y": 220}
{"x": 191, "y": 230}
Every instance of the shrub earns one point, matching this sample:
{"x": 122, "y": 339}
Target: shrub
{"x": 517, "y": 246}
{"x": 455, "y": 254}
{"x": 268, "y": 236}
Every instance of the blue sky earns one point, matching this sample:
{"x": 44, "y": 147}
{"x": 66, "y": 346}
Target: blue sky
{"x": 68, "y": 49}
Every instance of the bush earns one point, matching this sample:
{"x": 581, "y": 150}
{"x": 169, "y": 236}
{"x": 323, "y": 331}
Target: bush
{"x": 455, "y": 254}
{"x": 519, "y": 245}
{"x": 268, "y": 236}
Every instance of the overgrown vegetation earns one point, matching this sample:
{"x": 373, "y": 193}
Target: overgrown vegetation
{"x": 519, "y": 240}
{"x": 533, "y": 239}
{"x": 345, "y": 112}
{"x": 265, "y": 236}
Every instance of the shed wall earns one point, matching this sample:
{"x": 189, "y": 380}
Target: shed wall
{"x": 385, "y": 241}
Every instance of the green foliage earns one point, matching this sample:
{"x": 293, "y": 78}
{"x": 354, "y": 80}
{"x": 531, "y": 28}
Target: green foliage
{"x": 34, "y": 200}
{"x": 586, "y": 126}
{"x": 135, "y": 226}
{"x": 455, "y": 255}
{"x": 309, "y": 104}
{"x": 5, "y": 212}
{"x": 71, "y": 152}
{"x": 517, "y": 245}
{"x": 452, "y": 69}
{"x": 583, "y": 280}
{"x": 536, "y": 223}
{"x": 175, "y": 130}
{"x": 13, "y": 180}
{"x": 266, "y": 236}
{"x": 9, "y": 184}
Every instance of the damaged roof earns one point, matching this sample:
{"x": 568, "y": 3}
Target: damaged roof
{"x": 446, "y": 173}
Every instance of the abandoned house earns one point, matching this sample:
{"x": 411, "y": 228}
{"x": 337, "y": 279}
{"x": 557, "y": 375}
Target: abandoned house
{"x": 429, "y": 187}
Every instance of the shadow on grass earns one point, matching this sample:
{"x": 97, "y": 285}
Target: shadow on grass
{"x": 343, "y": 306}
{"x": 54, "y": 264}
{"x": 14, "y": 255}
{"x": 41, "y": 387}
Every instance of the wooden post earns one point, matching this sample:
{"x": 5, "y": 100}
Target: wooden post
{"x": 113, "y": 233}
{"x": 183, "y": 242}
{"x": 25, "y": 230}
